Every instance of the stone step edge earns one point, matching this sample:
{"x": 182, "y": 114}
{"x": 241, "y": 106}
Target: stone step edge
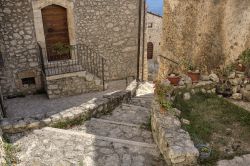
{"x": 115, "y": 122}
{"x": 133, "y": 105}
{"x": 144, "y": 97}
{"x": 109, "y": 139}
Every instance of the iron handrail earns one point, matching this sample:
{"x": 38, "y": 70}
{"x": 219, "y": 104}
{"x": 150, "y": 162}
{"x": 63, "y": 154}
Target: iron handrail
{"x": 169, "y": 59}
{"x": 78, "y": 58}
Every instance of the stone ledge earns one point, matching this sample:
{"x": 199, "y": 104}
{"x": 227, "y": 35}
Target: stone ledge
{"x": 236, "y": 161}
{"x": 174, "y": 143}
{"x": 92, "y": 108}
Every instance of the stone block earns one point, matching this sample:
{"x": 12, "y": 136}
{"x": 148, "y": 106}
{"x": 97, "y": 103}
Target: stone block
{"x": 34, "y": 124}
{"x": 213, "y": 77}
{"x": 186, "y": 96}
{"x": 247, "y": 87}
{"x": 204, "y": 78}
{"x": 166, "y": 130}
{"x": 19, "y": 125}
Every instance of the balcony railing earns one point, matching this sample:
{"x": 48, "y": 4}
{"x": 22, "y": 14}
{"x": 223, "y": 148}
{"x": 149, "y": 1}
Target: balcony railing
{"x": 77, "y": 58}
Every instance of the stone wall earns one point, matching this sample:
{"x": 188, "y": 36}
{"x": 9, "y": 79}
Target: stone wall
{"x": 109, "y": 27}
{"x": 154, "y": 35}
{"x": 174, "y": 143}
{"x": 18, "y": 44}
{"x": 72, "y": 84}
{"x": 211, "y": 32}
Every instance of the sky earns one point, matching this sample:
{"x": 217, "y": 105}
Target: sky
{"x": 155, "y": 6}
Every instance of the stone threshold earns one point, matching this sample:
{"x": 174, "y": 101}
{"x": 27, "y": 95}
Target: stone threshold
{"x": 117, "y": 123}
{"x": 92, "y": 136}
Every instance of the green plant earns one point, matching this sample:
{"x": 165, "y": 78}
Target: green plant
{"x": 70, "y": 123}
{"x": 166, "y": 104}
{"x": 10, "y": 154}
{"x": 189, "y": 64}
{"x": 226, "y": 70}
{"x": 61, "y": 48}
{"x": 245, "y": 57}
{"x": 163, "y": 91}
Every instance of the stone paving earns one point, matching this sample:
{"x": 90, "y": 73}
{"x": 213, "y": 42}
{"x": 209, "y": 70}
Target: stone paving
{"x": 54, "y": 147}
{"x": 236, "y": 161}
{"x": 38, "y": 104}
{"x": 116, "y": 129}
{"x": 117, "y": 139}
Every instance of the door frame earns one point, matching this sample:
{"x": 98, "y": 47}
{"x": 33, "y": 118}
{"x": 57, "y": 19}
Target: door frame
{"x": 37, "y": 6}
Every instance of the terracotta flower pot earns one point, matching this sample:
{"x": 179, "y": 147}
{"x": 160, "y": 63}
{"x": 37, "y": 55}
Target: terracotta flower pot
{"x": 174, "y": 80}
{"x": 195, "y": 76}
{"x": 240, "y": 67}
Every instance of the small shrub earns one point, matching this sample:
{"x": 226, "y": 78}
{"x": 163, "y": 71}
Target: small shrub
{"x": 245, "y": 57}
{"x": 163, "y": 93}
{"x": 10, "y": 154}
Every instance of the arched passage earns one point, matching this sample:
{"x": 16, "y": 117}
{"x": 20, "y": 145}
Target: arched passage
{"x": 150, "y": 50}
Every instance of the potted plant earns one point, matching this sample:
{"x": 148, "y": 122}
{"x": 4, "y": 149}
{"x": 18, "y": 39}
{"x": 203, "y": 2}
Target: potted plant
{"x": 174, "y": 79}
{"x": 61, "y": 48}
{"x": 193, "y": 72}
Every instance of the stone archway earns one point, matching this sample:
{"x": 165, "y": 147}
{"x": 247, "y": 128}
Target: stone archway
{"x": 38, "y": 5}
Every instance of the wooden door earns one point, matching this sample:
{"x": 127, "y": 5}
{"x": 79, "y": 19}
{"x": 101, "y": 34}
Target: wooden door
{"x": 150, "y": 50}
{"x": 55, "y": 25}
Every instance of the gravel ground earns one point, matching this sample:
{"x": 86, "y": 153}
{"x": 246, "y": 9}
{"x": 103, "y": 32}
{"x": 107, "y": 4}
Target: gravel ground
{"x": 37, "y": 104}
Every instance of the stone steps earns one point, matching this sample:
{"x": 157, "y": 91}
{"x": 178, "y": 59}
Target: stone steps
{"x": 116, "y": 139}
{"x": 50, "y": 146}
{"x": 141, "y": 101}
{"x": 113, "y": 129}
{"x": 127, "y": 113}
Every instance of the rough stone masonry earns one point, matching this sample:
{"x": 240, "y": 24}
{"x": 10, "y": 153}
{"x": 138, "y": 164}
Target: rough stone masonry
{"x": 209, "y": 31}
{"x": 109, "y": 27}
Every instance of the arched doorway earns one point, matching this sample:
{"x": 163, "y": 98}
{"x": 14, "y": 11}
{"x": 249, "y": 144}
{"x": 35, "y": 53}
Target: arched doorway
{"x": 150, "y": 50}
{"x": 55, "y": 24}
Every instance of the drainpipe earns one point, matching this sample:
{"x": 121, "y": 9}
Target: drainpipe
{"x": 139, "y": 41}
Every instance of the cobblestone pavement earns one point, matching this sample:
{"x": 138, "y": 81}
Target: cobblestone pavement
{"x": 118, "y": 139}
{"x": 236, "y": 161}
{"x": 37, "y": 104}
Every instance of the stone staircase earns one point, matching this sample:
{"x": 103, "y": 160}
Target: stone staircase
{"x": 121, "y": 138}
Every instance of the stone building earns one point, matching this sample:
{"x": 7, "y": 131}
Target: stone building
{"x": 211, "y": 32}
{"x": 66, "y": 46}
{"x": 153, "y": 35}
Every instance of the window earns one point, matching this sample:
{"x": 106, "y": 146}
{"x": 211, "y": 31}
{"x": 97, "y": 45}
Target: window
{"x": 29, "y": 81}
{"x": 150, "y": 25}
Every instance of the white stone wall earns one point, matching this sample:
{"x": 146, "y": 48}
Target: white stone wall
{"x": 154, "y": 34}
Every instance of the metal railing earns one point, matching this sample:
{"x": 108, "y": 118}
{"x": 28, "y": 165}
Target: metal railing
{"x": 78, "y": 58}
{"x": 168, "y": 59}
